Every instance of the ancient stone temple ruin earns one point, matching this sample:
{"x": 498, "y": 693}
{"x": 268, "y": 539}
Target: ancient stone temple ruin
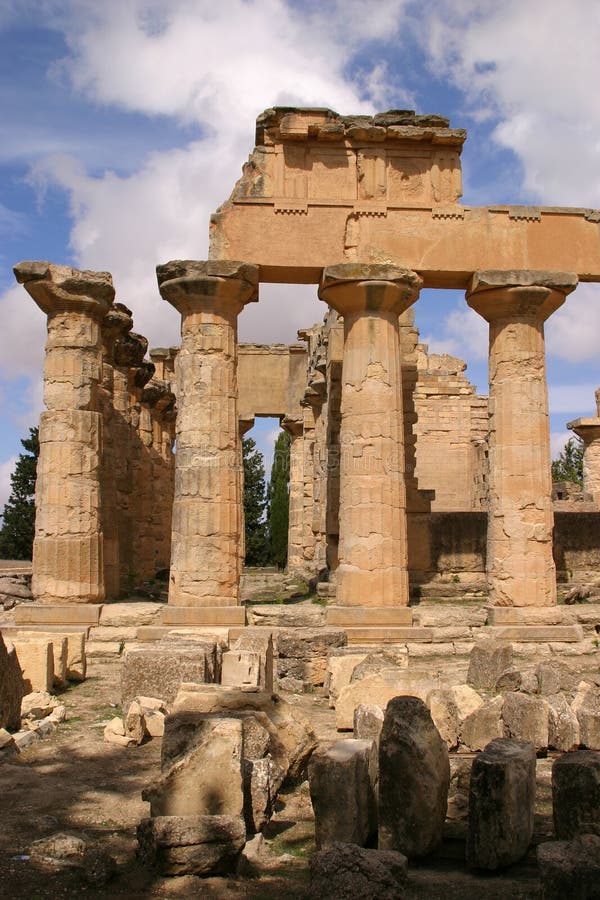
{"x": 423, "y": 512}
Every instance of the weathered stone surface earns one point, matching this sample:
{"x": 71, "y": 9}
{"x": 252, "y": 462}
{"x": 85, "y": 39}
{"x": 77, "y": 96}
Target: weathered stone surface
{"x": 284, "y": 616}
{"x": 67, "y": 851}
{"x": 262, "y": 779}
{"x": 586, "y": 707}
{"x": 191, "y": 845}
{"x": 374, "y": 663}
{"x": 348, "y": 871}
{"x": 339, "y": 671}
{"x": 259, "y": 641}
{"x": 510, "y": 680}
{"x": 201, "y": 769}
{"x": 306, "y": 643}
{"x": 483, "y": 725}
{"x": 291, "y": 737}
{"x": 342, "y": 790}
{"x": 240, "y": 668}
{"x": 570, "y": 868}
{"x": 379, "y": 689}
{"x": 554, "y": 678}
{"x": 450, "y": 707}
{"x": 130, "y": 614}
{"x": 458, "y": 793}
{"x": 488, "y": 660}
{"x": 37, "y": 705}
{"x": 501, "y": 799}
{"x": 36, "y": 659}
{"x": 11, "y": 687}
{"x": 159, "y": 670}
{"x": 576, "y": 794}
{"x": 368, "y": 722}
{"x": 526, "y": 719}
{"x": 134, "y": 722}
{"x": 563, "y": 725}
{"x": 414, "y": 776}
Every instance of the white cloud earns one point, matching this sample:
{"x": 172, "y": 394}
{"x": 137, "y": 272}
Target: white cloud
{"x": 464, "y": 333}
{"x": 558, "y": 439}
{"x": 6, "y": 470}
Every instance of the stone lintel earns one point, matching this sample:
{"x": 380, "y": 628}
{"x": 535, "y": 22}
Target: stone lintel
{"x": 529, "y": 615}
{"x": 191, "y": 285}
{"x": 292, "y": 425}
{"x": 73, "y": 614}
{"x": 62, "y": 288}
{"x": 362, "y": 616}
{"x": 537, "y": 633}
{"x": 245, "y": 423}
{"x": 204, "y": 615}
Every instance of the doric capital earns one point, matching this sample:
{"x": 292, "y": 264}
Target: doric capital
{"x": 293, "y": 425}
{"x": 117, "y": 323}
{"x": 358, "y": 287}
{"x": 245, "y": 423}
{"x": 130, "y": 350}
{"x": 587, "y": 429}
{"x": 58, "y": 289}
{"x": 521, "y": 293}
{"x": 214, "y": 285}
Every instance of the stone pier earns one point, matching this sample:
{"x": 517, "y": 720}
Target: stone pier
{"x": 207, "y": 517}
{"x": 373, "y": 567}
{"x": 588, "y": 430}
{"x": 520, "y": 566}
{"x": 68, "y": 560}
{"x": 295, "y": 429}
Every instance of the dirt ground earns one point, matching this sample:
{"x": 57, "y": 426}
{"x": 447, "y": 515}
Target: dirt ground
{"x": 74, "y": 782}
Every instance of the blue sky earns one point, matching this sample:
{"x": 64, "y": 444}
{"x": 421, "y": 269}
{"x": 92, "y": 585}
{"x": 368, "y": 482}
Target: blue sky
{"x": 124, "y": 124}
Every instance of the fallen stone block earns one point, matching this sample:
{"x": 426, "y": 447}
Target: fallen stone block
{"x": 374, "y": 663}
{"x": 379, "y": 690}
{"x": 36, "y": 659}
{"x": 191, "y": 845}
{"x": 134, "y": 723}
{"x": 240, "y": 668}
{"x": 489, "y": 658}
{"x": 341, "y": 663}
{"x": 11, "y": 687}
{"x": 414, "y": 776}
{"x": 450, "y": 707}
{"x": 201, "y": 769}
{"x": 570, "y": 869}
{"x": 510, "y": 680}
{"x": 483, "y": 725}
{"x": 158, "y": 671}
{"x": 301, "y": 663}
{"x": 114, "y": 733}
{"x": 131, "y": 614}
{"x": 60, "y": 651}
{"x": 342, "y": 781}
{"x": 348, "y": 871}
{"x": 37, "y": 705}
{"x": 563, "y": 724}
{"x": 526, "y": 719}
{"x": 368, "y": 722}
{"x": 65, "y": 851}
{"x": 554, "y": 678}
{"x": 260, "y": 641}
{"x": 501, "y": 801}
{"x": 263, "y": 778}
{"x": 576, "y": 794}
{"x": 586, "y": 707}
{"x": 25, "y": 739}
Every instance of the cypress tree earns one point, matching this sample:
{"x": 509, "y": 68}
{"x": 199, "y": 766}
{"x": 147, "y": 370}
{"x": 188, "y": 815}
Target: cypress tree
{"x": 569, "y": 465}
{"x": 18, "y": 518}
{"x": 278, "y": 496}
{"x": 255, "y": 527}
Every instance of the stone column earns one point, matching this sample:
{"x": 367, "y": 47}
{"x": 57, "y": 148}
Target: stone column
{"x": 295, "y": 559}
{"x": 68, "y": 561}
{"x": 207, "y": 509}
{"x": 244, "y": 426}
{"x": 588, "y": 430}
{"x": 373, "y": 569}
{"x": 520, "y": 566}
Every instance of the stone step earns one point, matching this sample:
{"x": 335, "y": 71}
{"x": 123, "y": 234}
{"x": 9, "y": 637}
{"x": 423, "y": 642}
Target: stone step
{"x": 45, "y": 614}
{"x": 387, "y": 635}
{"x": 103, "y": 649}
{"x": 13, "y": 630}
{"x": 370, "y": 617}
{"x": 148, "y": 633}
{"x": 536, "y": 633}
{"x": 204, "y": 615}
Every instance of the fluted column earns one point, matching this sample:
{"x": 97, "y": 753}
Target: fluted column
{"x": 244, "y": 426}
{"x": 295, "y": 557}
{"x": 207, "y": 506}
{"x": 588, "y": 430}
{"x": 520, "y": 565}
{"x": 373, "y": 569}
{"x": 68, "y": 547}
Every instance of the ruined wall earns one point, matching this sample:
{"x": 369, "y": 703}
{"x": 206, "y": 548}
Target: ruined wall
{"x": 271, "y": 379}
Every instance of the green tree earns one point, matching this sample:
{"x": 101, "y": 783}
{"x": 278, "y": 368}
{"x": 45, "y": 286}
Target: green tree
{"x": 18, "y": 518}
{"x": 257, "y": 546}
{"x": 278, "y": 498}
{"x": 569, "y": 465}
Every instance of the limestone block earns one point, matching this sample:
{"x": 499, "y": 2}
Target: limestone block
{"x": 154, "y": 721}
{"x": 368, "y": 722}
{"x": 576, "y": 794}
{"x": 240, "y": 668}
{"x": 202, "y": 777}
{"x": 262, "y": 779}
{"x": 563, "y": 724}
{"x": 25, "y": 739}
{"x": 342, "y": 781}
{"x": 489, "y": 659}
{"x": 191, "y": 845}
{"x": 286, "y": 616}
{"x": 36, "y": 659}
{"x": 114, "y": 733}
{"x": 37, "y": 705}
{"x": 450, "y": 707}
{"x": 308, "y": 643}
{"x": 554, "y": 678}
{"x": 259, "y": 641}
{"x": 117, "y": 615}
{"x": 510, "y": 680}
{"x": 414, "y": 776}
{"x": 339, "y": 671}
{"x": 501, "y": 801}
{"x": 483, "y": 725}
{"x": 11, "y": 687}
{"x": 526, "y": 719}
{"x": 374, "y": 663}
{"x": 586, "y": 707}
{"x": 570, "y": 868}
{"x": 345, "y": 870}
{"x": 379, "y": 690}
{"x": 300, "y": 675}
{"x": 458, "y": 793}
{"x": 134, "y": 722}
{"x": 292, "y": 738}
{"x": 160, "y": 670}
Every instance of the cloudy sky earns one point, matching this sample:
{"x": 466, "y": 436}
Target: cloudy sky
{"x": 124, "y": 124}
